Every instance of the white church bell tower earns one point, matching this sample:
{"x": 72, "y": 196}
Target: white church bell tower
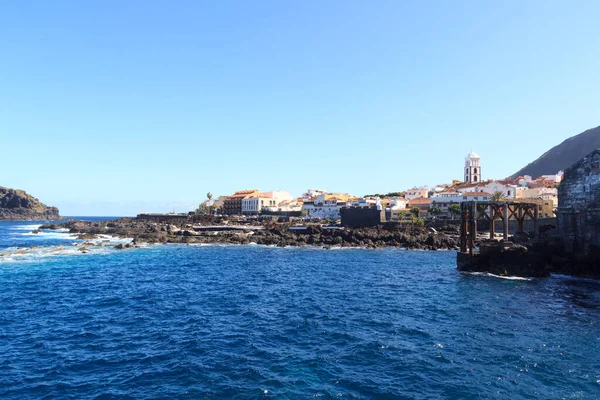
{"x": 472, "y": 168}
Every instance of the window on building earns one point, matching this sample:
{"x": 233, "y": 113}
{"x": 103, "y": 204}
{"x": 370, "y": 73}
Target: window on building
{"x": 474, "y": 179}
{"x": 475, "y": 170}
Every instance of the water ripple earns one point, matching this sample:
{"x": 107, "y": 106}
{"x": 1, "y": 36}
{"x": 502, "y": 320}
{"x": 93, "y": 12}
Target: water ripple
{"x": 255, "y": 322}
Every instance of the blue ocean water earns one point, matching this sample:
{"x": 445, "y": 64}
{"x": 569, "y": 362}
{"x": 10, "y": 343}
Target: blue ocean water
{"x": 247, "y": 322}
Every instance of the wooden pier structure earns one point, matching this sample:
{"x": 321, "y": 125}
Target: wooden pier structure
{"x": 498, "y": 257}
{"x": 473, "y": 211}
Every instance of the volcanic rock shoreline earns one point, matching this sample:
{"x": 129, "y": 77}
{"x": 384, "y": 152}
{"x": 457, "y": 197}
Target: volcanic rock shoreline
{"x": 265, "y": 233}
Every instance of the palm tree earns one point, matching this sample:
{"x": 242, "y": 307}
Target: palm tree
{"x": 497, "y": 196}
{"x": 209, "y": 196}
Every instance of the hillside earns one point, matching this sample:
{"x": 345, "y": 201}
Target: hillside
{"x": 18, "y": 205}
{"x": 564, "y": 155}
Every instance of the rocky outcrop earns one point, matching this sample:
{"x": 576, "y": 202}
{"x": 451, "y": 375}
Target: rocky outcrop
{"x": 505, "y": 259}
{"x": 18, "y": 205}
{"x": 530, "y": 258}
{"x": 270, "y": 233}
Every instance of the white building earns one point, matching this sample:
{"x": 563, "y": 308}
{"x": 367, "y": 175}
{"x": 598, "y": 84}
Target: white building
{"x": 477, "y": 196}
{"x": 366, "y": 202}
{"x": 441, "y": 188}
{"x": 312, "y": 193}
{"x": 253, "y": 205}
{"x": 280, "y": 196}
{"x": 508, "y": 191}
{"x": 472, "y": 168}
{"x": 525, "y": 181}
{"x": 324, "y": 206}
{"x": 444, "y": 200}
{"x": 557, "y": 178}
{"x": 446, "y": 197}
{"x": 286, "y": 206}
{"x": 416, "y": 193}
{"x": 398, "y": 203}
{"x": 538, "y": 193}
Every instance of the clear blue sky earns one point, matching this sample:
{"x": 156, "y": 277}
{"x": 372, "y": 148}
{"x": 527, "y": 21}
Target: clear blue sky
{"x": 115, "y": 107}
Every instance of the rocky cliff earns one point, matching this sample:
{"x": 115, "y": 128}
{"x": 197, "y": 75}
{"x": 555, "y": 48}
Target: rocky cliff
{"x": 564, "y": 155}
{"x": 18, "y": 205}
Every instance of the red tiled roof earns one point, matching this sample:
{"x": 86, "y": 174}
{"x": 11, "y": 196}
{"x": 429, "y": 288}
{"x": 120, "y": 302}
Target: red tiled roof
{"x": 474, "y": 194}
{"x": 469, "y": 184}
{"x": 507, "y": 181}
{"x": 241, "y": 194}
{"x": 453, "y": 192}
{"x": 420, "y": 200}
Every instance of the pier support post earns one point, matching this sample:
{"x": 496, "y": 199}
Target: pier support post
{"x": 520, "y": 218}
{"x": 492, "y": 227}
{"x": 473, "y": 228}
{"x": 505, "y": 220}
{"x": 463, "y": 228}
{"x": 475, "y": 215}
{"x": 535, "y": 222}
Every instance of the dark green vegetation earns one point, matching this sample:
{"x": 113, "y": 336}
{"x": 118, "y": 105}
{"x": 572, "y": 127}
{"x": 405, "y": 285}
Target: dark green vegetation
{"x": 390, "y": 194}
{"x": 564, "y": 155}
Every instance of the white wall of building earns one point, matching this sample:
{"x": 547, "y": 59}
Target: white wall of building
{"x": 266, "y": 200}
{"x": 311, "y": 193}
{"x": 280, "y": 196}
{"x": 509, "y": 191}
{"x": 255, "y": 204}
{"x": 416, "y": 193}
{"x": 323, "y": 211}
{"x": 398, "y": 203}
{"x": 472, "y": 171}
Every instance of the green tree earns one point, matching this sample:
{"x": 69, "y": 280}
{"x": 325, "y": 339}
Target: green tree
{"x": 497, "y": 196}
{"x": 416, "y": 221}
{"x": 401, "y": 215}
{"x": 454, "y": 209}
{"x": 415, "y": 211}
{"x": 435, "y": 211}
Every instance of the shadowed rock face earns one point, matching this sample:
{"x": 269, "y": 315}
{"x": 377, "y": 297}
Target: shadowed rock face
{"x": 18, "y": 205}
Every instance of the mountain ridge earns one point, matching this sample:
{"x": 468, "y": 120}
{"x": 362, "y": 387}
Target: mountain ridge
{"x": 563, "y": 155}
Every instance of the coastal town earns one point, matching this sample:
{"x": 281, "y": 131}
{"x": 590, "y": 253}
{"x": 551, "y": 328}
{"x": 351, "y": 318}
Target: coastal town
{"x": 519, "y": 226}
{"x": 413, "y": 204}
{"x": 300, "y": 200}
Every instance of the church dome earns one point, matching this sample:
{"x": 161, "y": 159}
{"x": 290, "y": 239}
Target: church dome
{"x": 473, "y": 155}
